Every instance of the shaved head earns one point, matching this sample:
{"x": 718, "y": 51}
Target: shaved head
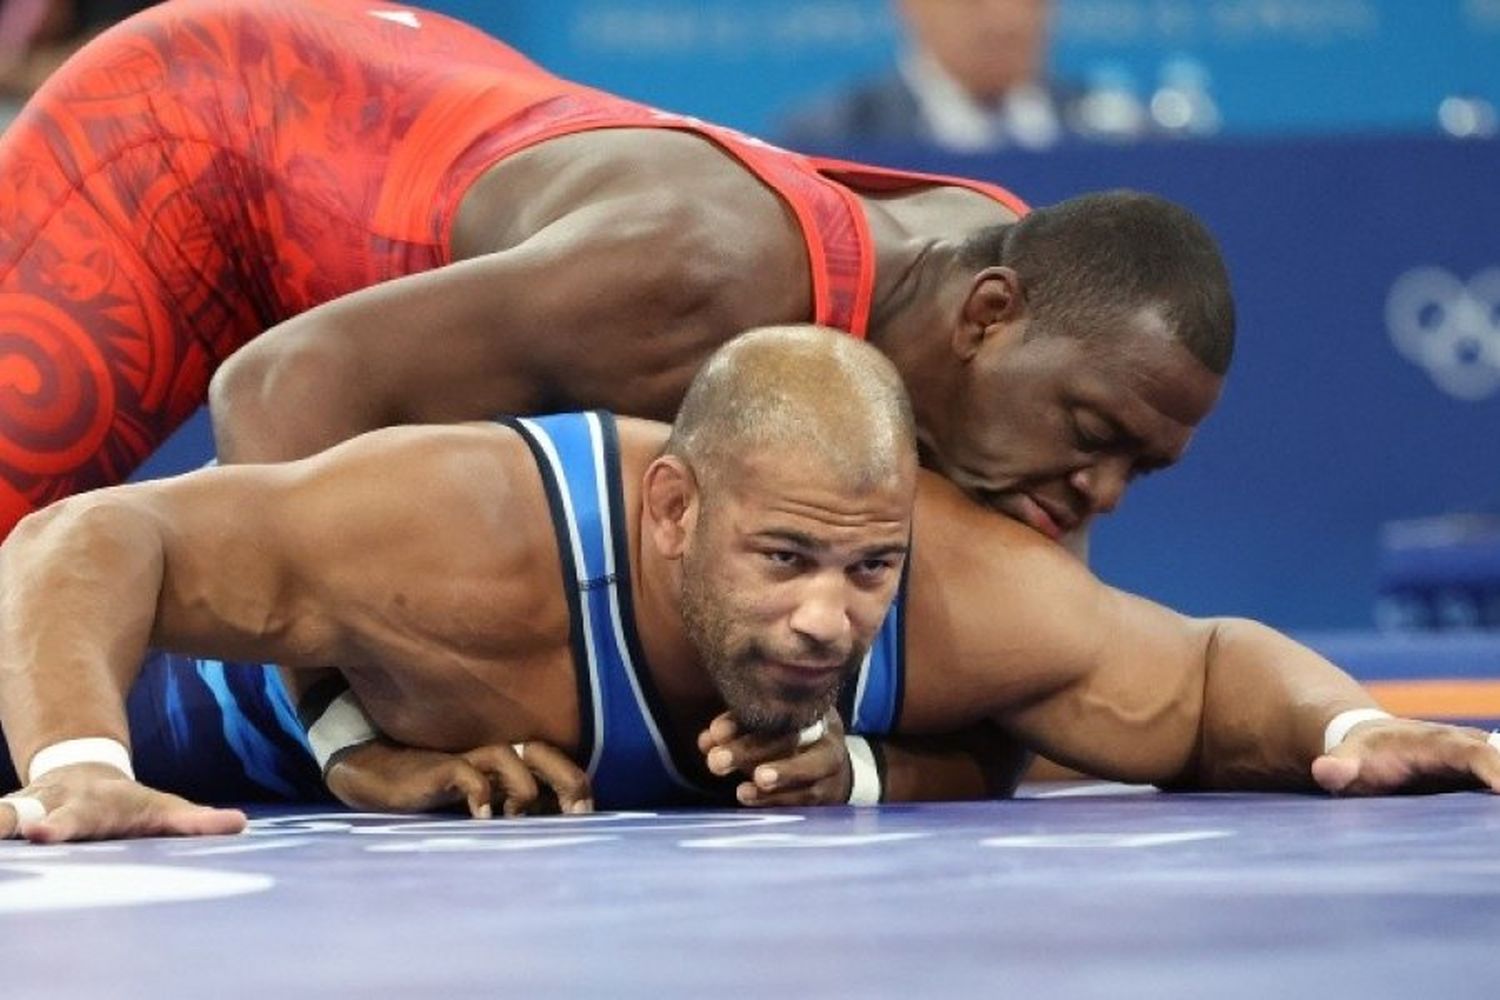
{"x": 833, "y": 399}
{"x": 784, "y": 501}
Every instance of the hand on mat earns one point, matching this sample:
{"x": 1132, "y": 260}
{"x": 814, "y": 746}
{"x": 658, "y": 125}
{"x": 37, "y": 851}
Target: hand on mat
{"x": 1404, "y": 755}
{"x": 96, "y": 802}
{"x": 389, "y": 777}
{"x": 780, "y": 772}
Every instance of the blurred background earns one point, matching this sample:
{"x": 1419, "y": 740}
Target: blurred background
{"x": 1345, "y": 152}
{"x": 1273, "y": 67}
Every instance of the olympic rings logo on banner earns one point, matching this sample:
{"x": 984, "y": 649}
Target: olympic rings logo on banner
{"x": 1449, "y": 327}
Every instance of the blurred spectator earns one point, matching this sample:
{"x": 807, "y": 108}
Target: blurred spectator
{"x": 37, "y": 35}
{"x": 972, "y": 77}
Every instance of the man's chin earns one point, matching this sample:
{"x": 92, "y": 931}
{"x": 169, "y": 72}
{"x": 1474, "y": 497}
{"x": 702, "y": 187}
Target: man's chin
{"x": 776, "y": 720}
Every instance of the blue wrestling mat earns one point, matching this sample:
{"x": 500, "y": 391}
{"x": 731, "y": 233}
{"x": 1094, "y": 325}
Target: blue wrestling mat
{"x": 1091, "y": 892}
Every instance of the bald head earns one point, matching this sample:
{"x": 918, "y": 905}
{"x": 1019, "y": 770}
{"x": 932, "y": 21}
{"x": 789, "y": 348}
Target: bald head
{"x": 833, "y": 399}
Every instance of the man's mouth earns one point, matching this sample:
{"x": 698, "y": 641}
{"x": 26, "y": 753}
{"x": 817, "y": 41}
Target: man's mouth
{"x": 811, "y": 676}
{"x": 1044, "y": 517}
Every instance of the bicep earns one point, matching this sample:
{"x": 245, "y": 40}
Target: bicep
{"x": 247, "y": 547}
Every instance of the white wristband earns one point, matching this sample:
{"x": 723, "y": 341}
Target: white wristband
{"x": 1339, "y": 725}
{"x": 342, "y": 725}
{"x": 89, "y": 750}
{"x": 865, "y": 788}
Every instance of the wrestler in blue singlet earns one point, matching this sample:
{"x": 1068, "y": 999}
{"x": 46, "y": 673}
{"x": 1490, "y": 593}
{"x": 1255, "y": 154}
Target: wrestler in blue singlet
{"x": 218, "y": 732}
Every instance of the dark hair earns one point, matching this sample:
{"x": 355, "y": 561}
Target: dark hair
{"x": 1084, "y": 260}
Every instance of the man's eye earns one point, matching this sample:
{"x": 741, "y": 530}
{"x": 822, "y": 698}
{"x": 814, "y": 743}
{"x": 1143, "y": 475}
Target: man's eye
{"x": 782, "y": 558}
{"x": 1090, "y": 442}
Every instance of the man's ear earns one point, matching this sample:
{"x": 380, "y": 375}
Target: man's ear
{"x": 670, "y": 498}
{"x": 995, "y": 304}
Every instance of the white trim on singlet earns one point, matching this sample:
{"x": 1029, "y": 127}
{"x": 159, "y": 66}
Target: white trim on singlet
{"x": 580, "y": 569}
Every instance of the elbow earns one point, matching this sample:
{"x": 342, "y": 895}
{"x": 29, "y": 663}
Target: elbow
{"x": 281, "y": 398}
{"x": 233, "y": 392}
{"x": 79, "y": 534}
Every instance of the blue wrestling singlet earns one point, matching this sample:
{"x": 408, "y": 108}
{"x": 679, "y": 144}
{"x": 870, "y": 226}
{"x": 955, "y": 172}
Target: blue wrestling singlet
{"x": 227, "y": 732}
{"x": 622, "y": 720}
{"x": 214, "y": 732}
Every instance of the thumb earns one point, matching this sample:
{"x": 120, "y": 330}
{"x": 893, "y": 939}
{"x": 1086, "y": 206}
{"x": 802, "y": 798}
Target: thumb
{"x": 1335, "y": 772}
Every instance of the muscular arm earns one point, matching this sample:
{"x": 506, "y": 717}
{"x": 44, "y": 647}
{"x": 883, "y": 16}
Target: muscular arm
{"x": 1197, "y": 703}
{"x": 255, "y": 563}
{"x": 611, "y": 301}
{"x": 479, "y": 337}
{"x": 1098, "y": 679}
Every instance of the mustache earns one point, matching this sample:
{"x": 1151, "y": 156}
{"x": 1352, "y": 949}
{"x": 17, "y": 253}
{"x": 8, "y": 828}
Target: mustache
{"x": 807, "y": 651}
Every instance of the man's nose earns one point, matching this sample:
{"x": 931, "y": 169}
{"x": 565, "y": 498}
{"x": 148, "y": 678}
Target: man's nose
{"x": 1103, "y": 483}
{"x": 822, "y": 611}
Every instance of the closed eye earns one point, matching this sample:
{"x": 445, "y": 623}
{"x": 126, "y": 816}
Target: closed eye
{"x": 1090, "y": 438}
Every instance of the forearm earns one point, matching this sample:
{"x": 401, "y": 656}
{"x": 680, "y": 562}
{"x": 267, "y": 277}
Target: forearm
{"x": 979, "y": 763}
{"x": 1266, "y": 703}
{"x": 79, "y": 584}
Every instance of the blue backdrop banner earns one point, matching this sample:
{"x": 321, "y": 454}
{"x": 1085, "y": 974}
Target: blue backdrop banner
{"x": 1272, "y": 65}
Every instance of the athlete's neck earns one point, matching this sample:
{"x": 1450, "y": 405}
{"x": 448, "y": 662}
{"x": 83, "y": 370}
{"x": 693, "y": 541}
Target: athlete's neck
{"x": 919, "y": 290}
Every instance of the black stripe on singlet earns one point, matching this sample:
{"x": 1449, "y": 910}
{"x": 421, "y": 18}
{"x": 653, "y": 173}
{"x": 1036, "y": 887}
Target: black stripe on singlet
{"x": 581, "y": 673}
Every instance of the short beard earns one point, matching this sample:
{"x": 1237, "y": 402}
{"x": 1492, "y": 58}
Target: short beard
{"x": 732, "y": 670}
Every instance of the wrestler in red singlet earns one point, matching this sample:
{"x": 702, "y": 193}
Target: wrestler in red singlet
{"x": 210, "y": 168}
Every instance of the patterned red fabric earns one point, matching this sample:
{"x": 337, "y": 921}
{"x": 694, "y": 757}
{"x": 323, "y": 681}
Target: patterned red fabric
{"x": 210, "y": 168}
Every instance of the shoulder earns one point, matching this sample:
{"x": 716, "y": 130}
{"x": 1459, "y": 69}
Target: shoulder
{"x": 464, "y": 470}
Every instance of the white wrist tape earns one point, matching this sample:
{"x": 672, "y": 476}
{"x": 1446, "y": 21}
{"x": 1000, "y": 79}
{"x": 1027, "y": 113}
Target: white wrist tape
{"x": 865, "y": 789}
{"x": 342, "y": 726}
{"x": 811, "y": 734}
{"x": 89, "y": 750}
{"x": 1339, "y": 725}
{"x": 28, "y": 809}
